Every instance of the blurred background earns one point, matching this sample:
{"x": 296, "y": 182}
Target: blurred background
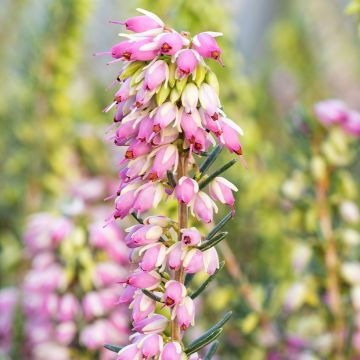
{"x": 281, "y": 57}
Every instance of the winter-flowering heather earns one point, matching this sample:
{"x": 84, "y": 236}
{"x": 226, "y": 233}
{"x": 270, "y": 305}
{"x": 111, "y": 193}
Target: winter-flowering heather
{"x": 324, "y": 221}
{"x": 69, "y": 294}
{"x": 170, "y": 126}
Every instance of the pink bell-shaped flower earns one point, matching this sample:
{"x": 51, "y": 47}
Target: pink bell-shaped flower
{"x": 148, "y": 196}
{"x": 203, "y": 207}
{"x": 165, "y": 114}
{"x": 68, "y": 307}
{"x": 154, "y": 256}
{"x": 175, "y": 254}
{"x": 146, "y": 234}
{"x": 155, "y": 324}
{"x": 172, "y": 351}
{"x": 129, "y": 352}
{"x": 193, "y": 261}
{"x": 205, "y": 44}
{"x": 169, "y": 43}
{"x": 211, "y": 260}
{"x": 185, "y": 313}
{"x": 151, "y": 345}
{"x": 174, "y": 292}
{"x": 186, "y": 189}
{"x": 166, "y": 158}
{"x": 331, "y": 112}
{"x": 155, "y": 75}
{"x": 190, "y": 237}
{"x": 221, "y": 190}
{"x": 142, "y": 306}
{"x": 187, "y": 61}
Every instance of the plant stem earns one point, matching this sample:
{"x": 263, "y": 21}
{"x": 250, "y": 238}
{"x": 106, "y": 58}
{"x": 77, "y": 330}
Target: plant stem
{"x": 332, "y": 264}
{"x": 183, "y": 223}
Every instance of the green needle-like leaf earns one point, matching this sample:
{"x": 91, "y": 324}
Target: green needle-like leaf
{"x": 137, "y": 218}
{"x": 209, "y": 336}
{"x": 188, "y": 279}
{"x": 151, "y": 295}
{"x": 216, "y": 173}
{"x": 211, "y": 352}
{"x": 113, "y": 348}
{"x": 199, "y": 344}
{"x": 204, "y": 285}
{"x": 219, "y": 226}
{"x": 171, "y": 179}
{"x": 210, "y": 160}
{"x": 214, "y": 241}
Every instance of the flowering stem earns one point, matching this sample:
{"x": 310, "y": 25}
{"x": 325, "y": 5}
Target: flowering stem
{"x": 331, "y": 263}
{"x": 183, "y": 222}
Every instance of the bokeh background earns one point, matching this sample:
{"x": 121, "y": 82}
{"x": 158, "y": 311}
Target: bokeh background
{"x": 281, "y": 58}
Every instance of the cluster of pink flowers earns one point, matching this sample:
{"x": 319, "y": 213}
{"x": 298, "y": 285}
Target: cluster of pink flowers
{"x": 167, "y": 111}
{"x": 336, "y": 112}
{"x": 69, "y": 297}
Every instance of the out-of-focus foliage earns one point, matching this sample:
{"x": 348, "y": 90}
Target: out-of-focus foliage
{"x": 354, "y": 9}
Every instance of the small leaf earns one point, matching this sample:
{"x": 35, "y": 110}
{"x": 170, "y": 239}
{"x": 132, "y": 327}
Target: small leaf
{"x": 203, "y": 341}
{"x": 216, "y": 173}
{"x": 219, "y": 226}
{"x": 204, "y": 285}
{"x": 211, "y": 352}
{"x": 188, "y": 279}
{"x": 210, "y": 160}
{"x": 171, "y": 179}
{"x": 137, "y": 218}
{"x": 214, "y": 241}
{"x": 151, "y": 295}
{"x": 113, "y": 348}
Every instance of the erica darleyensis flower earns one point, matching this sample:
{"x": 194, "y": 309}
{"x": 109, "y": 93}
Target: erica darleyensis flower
{"x": 168, "y": 116}
{"x": 70, "y": 293}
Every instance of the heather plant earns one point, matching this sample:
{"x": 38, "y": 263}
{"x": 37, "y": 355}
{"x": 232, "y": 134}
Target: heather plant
{"x": 168, "y": 116}
{"x": 68, "y": 297}
{"x": 322, "y": 201}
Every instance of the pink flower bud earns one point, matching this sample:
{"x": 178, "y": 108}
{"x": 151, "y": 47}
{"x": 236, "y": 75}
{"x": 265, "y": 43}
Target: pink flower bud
{"x": 199, "y": 141}
{"x": 190, "y": 237}
{"x": 92, "y": 305}
{"x": 230, "y": 137}
{"x": 148, "y": 197}
{"x": 211, "y": 123}
{"x": 145, "y": 129}
{"x": 125, "y": 132}
{"x": 154, "y": 257}
{"x": 205, "y": 44}
{"x": 208, "y": 99}
{"x": 189, "y": 98}
{"x": 170, "y": 43}
{"x": 119, "y": 50}
{"x": 124, "y": 92}
{"x": 146, "y": 234}
{"x": 151, "y": 345}
{"x": 172, "y": 351}
{"x": 186, "y": 189}
{"x": 166, "y": 158}
{"x": 136, "y": 149}
{"x": 160, "y": 220}
{"x": 142, "y": 23}
{"x": 68, "y": 307}
{"x": 174, "y": 292}
{"x": 125, "y": 201}
{"x": 203, "y": 207}
{"x": 190, "y": 123}
{"x": 221, "y": 190}
{"x": 127, "y": 295}
{"x": 155, "y": 75}
{"x": 101, "y": 237}
{"x": 65, "y": 332}
{"x": 193, "y": 261}
{"x": 185, "y": 313}
{"x": 142, "y": 307}
{"x": 165, "y": 114}
{"x": 156, "y": 324}
{"x": 187, "y": 61}
{"x": 331, "y": 112}
{"x": 196, "y": 356}
{"x": 211, "y": 260}
{"x": 129, "y": 352}
{"x": 138, "y": 52}
{"x": 175, "y": 255}
{"x": 352, "y": 125}
{"x": 144, "y": 280}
